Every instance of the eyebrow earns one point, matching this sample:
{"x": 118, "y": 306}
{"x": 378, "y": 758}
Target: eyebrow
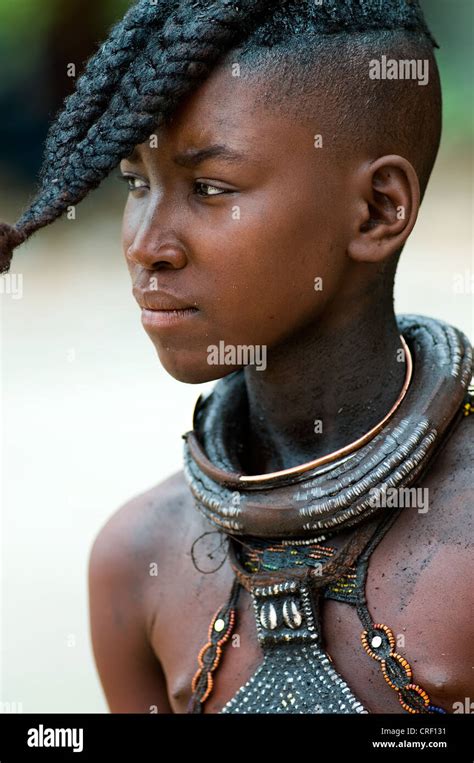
{"x": 193, "y": 157}
{"x": 134, "y": 157}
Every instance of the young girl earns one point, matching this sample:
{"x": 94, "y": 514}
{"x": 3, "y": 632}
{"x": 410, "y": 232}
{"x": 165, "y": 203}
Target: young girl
{"x": 275, "y": 173}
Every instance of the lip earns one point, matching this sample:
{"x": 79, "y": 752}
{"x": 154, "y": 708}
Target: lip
{"x": 162, "y": 301}
{"x": 160, "y": 309}
{"x": 156, "y": 319}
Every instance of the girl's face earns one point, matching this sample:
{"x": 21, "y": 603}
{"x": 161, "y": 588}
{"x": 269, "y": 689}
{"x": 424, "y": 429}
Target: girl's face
{"x": 235, "y": 229}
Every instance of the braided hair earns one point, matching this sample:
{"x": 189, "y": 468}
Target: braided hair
{"x": 156, "y": 55}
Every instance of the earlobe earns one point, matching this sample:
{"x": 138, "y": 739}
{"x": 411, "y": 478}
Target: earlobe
{"x": 387, "y": 208}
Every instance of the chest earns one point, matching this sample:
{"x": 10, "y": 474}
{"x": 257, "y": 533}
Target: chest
{"x": 406, "y": 584}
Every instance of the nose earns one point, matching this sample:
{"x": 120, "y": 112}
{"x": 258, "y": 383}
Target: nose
{"x": 155, "y": 245}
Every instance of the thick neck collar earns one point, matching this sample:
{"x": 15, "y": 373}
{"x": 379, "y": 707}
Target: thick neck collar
{"x": 351, "y": 489}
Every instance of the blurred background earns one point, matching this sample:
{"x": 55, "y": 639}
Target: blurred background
{"x": 89, "y": 417}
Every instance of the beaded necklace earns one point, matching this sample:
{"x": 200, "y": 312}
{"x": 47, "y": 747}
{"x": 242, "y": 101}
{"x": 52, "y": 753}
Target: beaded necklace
{"x": 280, "y": 558}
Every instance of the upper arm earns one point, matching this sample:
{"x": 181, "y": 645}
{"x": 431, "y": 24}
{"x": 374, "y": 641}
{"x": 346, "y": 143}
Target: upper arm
{"x": 129, "y": 671}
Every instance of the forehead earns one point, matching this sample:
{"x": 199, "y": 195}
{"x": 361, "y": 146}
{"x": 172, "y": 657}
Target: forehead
{"x": 229, "y": 109}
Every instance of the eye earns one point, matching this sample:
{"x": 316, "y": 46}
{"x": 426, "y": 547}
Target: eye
{"x": 207, "y": 190}
{"x": 134, "y": 183}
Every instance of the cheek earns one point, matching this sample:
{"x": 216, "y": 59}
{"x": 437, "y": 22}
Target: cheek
{"x": 275, "y": 253}
{"x": 129, "y": 226}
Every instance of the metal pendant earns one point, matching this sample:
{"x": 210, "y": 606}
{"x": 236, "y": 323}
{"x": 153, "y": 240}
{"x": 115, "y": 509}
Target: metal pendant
{"x": 296, "y": 675}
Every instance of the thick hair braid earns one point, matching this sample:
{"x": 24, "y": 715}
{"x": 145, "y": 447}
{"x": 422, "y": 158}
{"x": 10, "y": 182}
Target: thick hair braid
{"x": 101, "y": 75}
{"x": 157, "y": 54}
{"x": 150, "y": 91}
{"x": 190, "y": 43}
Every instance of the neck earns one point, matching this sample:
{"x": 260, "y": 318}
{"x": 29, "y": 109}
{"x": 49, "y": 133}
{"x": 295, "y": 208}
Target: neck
{"x": 322, "y": 389}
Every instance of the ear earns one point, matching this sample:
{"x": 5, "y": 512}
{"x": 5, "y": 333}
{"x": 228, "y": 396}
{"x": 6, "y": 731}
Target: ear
{"x": 388, "y": 200}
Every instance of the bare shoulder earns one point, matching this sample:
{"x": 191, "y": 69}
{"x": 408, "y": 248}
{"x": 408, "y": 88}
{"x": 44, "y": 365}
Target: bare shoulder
{"x": 442, "y": 537}
{"x": 142, "y": 527}
{"x": 450, "y": 482}
{"x": 148, "y": 511}
{"x": 456, "y": 456}
{"x": 126, "y": 552}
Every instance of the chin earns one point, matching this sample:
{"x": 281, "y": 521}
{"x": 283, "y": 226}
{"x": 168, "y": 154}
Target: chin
{"x": 190, "y": 369}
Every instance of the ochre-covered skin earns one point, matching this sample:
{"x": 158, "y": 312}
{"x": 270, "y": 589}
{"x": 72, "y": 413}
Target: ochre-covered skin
{"x": 419, "y": 584}
{"x": 332, "y": 356}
